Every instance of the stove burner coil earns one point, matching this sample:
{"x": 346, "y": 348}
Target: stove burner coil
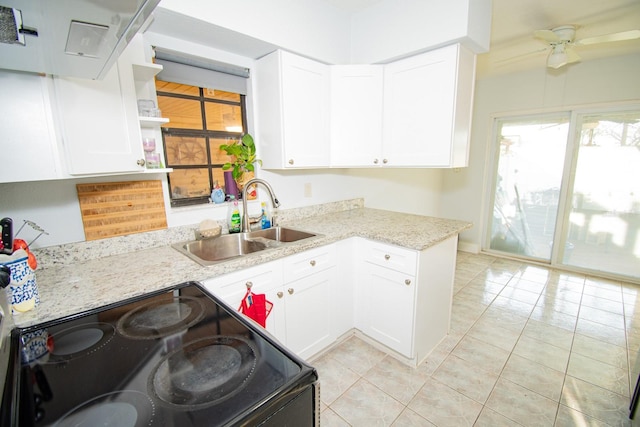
{"x": 124, "y": 408}
{"x": 204, "y": 372}
{"x": 160, "y": 319}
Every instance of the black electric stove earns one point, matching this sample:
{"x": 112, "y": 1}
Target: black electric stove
{"x": 178, "y": 357}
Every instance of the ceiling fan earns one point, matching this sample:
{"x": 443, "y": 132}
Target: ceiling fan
{"x": 562, "y": 41}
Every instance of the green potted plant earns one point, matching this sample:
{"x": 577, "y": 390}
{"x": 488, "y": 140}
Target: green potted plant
{"x": 244, "y": 158}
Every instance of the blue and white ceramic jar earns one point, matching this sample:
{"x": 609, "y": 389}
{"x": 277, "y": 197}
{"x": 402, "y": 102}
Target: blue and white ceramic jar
{"x": 23, "y": 289}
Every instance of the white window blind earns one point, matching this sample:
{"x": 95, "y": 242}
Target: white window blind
{"x": 201, "y": 72}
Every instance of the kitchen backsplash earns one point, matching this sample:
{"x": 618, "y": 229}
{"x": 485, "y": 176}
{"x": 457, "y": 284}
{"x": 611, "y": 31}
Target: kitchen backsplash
{"x": 82, "y": 251}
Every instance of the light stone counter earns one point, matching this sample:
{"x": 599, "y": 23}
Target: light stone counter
{"x": 72, "y": 282}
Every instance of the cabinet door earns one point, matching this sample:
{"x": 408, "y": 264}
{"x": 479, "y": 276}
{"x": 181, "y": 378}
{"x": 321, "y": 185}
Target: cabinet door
{"x": 99, "y": 122}
{"x": 356, "y": 115}
{"x": 386, "y": 300}
{"x": 263, "y": 279}
{"x": 305, "y": 92}
{"x": 309, "y": 313}
{"x": 292, "y": 111}
{"x": 419, "y": 94}
{"x": 28, "y": 143}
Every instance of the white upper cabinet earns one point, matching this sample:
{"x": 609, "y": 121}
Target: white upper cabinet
{"x": 99, "y": 123}
{"x": 292, "y": 111}
{"x": 427, "y": 108}
{"x": 415, "y": 112}
{"x": 356, "y": 115}
{"x": 58, "y": 128}
{"x": 28, "y": 141}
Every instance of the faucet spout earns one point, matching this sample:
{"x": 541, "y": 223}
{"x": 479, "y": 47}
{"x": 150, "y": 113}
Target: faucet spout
{"x": 245, "y": 214}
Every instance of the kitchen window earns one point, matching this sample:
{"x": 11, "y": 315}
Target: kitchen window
{"x": 201, "y": 119}
{"x": 206, "y": 109}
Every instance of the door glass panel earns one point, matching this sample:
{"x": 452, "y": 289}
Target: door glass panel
{"x": 603, "y": 231}
{"x": 527, "y": 185}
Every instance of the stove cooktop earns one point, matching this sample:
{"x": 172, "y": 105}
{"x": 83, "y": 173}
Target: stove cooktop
{"x": 177, "y": 357}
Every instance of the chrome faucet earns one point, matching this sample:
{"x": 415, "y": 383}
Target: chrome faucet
{"x": 245, "y": 214}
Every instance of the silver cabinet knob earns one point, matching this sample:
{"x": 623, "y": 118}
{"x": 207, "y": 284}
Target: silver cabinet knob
{"x": 407, "y": 282}
{"x": 385, "y": 161}
{"x": 249, "y": 285}
{"x": 290, "y": 161}
{"x": 312, "y": 262}
{"x": 140, "y": 162}
{"x": 280, "y": 294}
{"x": 375, "y": 161}
{"x": 290, "y": 290}
{"x": 387, "y": 257}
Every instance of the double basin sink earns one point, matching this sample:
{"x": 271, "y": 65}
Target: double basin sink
{"x": 213, "y": 250}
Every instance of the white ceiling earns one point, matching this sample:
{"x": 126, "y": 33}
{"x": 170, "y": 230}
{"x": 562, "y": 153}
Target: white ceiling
{"x": 514, "y": 21}
{"x": 513, "y": 24}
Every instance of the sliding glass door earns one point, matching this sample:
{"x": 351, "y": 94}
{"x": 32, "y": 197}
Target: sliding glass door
{"x": 603, "y": 224}
{"x": 566, "y": 190}
{"x": 531, "y": 156}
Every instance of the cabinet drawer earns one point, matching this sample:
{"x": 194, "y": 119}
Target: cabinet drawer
{"x": 389, "y": 256}
{"x": 309, "y": 262}
{"x": 232, "y": 287}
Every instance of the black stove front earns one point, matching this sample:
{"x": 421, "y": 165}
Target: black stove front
{"x": 171, "y": 358}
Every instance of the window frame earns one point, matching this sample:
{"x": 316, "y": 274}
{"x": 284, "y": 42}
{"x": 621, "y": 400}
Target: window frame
{"x": 205, "y": 133}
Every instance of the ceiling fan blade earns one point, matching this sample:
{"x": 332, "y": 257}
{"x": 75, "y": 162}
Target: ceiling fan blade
{"x": 519, "y": 57}
{"x": 572, "y": 56}
{"x": 607, "y": 38}
{"x": 547, "y": 35}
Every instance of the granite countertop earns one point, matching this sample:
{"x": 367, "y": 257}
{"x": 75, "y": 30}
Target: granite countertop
{"x": 72, "y": 287}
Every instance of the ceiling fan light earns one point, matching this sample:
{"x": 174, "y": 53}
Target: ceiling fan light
{"x": 558, "y": 57}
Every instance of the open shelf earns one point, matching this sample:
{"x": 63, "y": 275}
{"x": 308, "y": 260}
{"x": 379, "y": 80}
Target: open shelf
{"x": 145, "y": 72}
{"x": 152, "y": 121}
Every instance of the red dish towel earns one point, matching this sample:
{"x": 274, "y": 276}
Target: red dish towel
{"x": 256, "y": 307}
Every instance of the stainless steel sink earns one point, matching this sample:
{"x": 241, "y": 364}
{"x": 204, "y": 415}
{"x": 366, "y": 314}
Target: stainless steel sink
{"x": 223, "y": 248}
{"x": 281, "y": 234}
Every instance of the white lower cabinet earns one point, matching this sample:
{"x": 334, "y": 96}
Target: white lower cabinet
{"x": 386, "y": 294}
{"x": 388, "y": 298}
{"x": 309, "y": 312}
{"x": 403, "y": 296}
{"x": 263, "y": 279}
{"x": 301, "y": 288}
{"x": 396, "y": 296}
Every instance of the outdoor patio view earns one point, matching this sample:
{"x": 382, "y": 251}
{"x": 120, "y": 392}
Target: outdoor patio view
{"x": 592, "y": 222}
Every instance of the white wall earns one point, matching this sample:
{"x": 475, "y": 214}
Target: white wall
{"x": 392, "y": 29}
{"x": 384, "y": 31}
{"x": 314, "y": 28}
{"x": 603, "y": 81}
{"x": 54, "y": 205}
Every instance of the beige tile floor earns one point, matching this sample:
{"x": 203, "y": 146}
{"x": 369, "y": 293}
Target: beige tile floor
{"x": 528, "y": 346}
